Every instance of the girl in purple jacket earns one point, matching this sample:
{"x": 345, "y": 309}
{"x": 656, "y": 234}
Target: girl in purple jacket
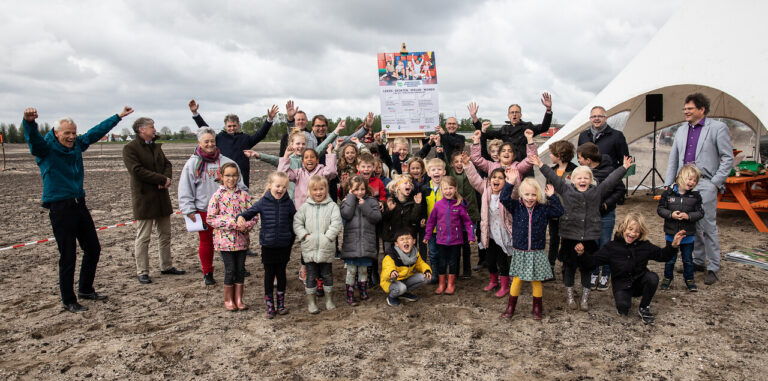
{"x": 450, "y": 216}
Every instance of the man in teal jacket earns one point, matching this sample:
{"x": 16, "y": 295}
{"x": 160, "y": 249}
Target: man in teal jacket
{"x": 60, "y": 157}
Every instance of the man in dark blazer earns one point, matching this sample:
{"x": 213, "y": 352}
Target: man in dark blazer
{"x": 707, "y": 144}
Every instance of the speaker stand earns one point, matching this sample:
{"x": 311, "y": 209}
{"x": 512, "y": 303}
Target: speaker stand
{"x": 653, "y": 171}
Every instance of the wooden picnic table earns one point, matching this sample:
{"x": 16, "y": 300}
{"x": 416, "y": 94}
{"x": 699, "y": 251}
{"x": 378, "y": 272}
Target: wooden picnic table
{"x": 747, "y": 193}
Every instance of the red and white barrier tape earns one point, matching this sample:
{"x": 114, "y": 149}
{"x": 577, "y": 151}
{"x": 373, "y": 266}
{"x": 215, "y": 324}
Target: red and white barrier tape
{"x": 53, "y": 239}
{"x": 175, "y": 170}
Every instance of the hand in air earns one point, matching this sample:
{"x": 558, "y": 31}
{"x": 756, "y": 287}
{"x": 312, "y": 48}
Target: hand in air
{"x": 473, "y": 107}
{"x": 549, "y": 190}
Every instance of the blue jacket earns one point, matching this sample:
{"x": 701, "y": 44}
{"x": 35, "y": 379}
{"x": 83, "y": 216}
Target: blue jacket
{"x": 62, "y": 167}
{"x": 276, "y": 220}
{"x": 529, "y": 228}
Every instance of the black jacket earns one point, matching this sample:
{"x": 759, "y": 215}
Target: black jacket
{"x": 690, "y": 203}
{"x": 516, "y": 134}
{"x": 406, "y": 214}
{"x": 628, "y": 261}
{"x": 232, "y": 145}
{"x": 276, "y": 220}
{"x": 616, "y": 197}
{"x": 611, "y": 142}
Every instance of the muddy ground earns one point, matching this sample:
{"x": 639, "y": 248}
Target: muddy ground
{"x": 177, "y": 328}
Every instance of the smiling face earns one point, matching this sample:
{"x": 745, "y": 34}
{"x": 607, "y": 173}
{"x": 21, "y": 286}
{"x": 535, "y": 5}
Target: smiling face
{"x": 405, "y": 243}
{"x": 278, "y": 188}
{"x": 365, "y": 168}
{"x": 299, "y": 144}
{"x": 359, "y": 191}
{"x": 494, "y": 152}
{"x": 230, "y": 176}
{"x": 318, "y": 192}
{"x": 309, "y": 160}
{"x": 514, "y": 113}
{"x": 207, "y": 143}
{"x": 458, "y": 165}
{"x": 581, "y": 180}
{"x": 436, "y": 173}
{"x": 451, "y": 125}
{"x": 506, "y": 154}
{"x": 632, "y": 232}
{"x": 597, "y": 118}
{"x": 300, "y": 120}
{"x": 497, "y": 182}
{"x": 320, "y": 128}
{"x": 448, "y": 191}
{"x": 528, "y": 195}
{"x": 415, "y": 169}
{"x": 66, "y": 134}
{"x": 688, "y": 184}
{"x": 350, "y": 154}
{"x": 232, "y": 127}
{"x": 402, "y": 151}
{"x": 693, "y": 114}
{"x": 404, "y": 189}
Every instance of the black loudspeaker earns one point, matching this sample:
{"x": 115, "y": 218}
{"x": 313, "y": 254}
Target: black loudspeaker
{"x": 654, "y": 107}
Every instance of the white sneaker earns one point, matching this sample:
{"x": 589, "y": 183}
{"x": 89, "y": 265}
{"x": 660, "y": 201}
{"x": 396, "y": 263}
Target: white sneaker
{"x": 593, "y": 282}
{"x": 603, "y": 285}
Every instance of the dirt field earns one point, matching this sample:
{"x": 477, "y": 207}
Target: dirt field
{"x": 177, "y": 328}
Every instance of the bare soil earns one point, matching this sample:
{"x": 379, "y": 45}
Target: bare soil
{"x": 177, "y": 328}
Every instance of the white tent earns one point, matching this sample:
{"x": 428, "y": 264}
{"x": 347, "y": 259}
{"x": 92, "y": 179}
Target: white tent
{"x": 714, "y": 47}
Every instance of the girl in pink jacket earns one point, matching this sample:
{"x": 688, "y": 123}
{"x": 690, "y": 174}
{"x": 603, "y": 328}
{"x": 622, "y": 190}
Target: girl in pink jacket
{"x": 310, "y": 166}
{"x": 231, "y": 241}
{"x": 506, "y": 155}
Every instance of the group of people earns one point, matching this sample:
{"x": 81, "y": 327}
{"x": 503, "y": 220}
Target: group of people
{"x": 424, "y": 214}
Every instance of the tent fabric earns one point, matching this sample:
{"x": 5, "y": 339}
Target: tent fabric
{"x": 712, "y": 47}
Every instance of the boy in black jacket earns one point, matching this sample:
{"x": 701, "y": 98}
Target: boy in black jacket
{"x": 628, "y": 255}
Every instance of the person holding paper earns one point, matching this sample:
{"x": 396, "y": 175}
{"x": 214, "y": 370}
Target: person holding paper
{"x": 150, "y": 174}
{"x": 199, "y": 180}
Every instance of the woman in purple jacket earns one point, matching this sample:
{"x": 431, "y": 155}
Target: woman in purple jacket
{"x": 449, "y": 216}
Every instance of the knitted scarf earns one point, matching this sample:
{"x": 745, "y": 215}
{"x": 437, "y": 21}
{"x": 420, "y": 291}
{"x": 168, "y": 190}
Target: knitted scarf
{"x": 203, "y": 159}
{"x": 408, "y": 258}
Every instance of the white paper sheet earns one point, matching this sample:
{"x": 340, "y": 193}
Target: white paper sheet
{"x": 196, "y": 225}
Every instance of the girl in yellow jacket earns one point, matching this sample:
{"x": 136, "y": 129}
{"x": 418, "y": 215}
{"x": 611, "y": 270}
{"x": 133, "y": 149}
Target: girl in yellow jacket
{"x": 403, "y": 270}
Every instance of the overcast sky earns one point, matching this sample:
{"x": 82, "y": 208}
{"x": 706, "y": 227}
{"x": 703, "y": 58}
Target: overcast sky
{"x": 86, "y": 59}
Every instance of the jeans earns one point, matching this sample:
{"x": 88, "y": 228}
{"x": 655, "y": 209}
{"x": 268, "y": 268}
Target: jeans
{"x": 608, "y": 221}
{"x": 448, "y": 256}
{"x": 72, "y": 223}
{"x": 398, "y": 288}
{"x": 234, "y": 266}
{"x": 686, "y": 253}
{"x": 433, "y": 253}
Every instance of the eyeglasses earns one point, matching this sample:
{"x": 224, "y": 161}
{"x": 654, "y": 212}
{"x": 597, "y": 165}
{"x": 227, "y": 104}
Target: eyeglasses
{"x": 515, "y": 112}
{"x": 597, "y": 117}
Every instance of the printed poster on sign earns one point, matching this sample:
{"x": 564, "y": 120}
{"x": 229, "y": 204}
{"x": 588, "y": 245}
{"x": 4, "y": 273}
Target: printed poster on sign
{"x": 408, "y": 91}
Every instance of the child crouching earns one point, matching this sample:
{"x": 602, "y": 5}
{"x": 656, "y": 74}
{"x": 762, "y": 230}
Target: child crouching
{"x": 402, "y": 269}
{"x": 628, "y": 255}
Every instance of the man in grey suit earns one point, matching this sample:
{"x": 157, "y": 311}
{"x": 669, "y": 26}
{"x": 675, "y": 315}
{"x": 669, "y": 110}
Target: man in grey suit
{"x": 707, "y": 144}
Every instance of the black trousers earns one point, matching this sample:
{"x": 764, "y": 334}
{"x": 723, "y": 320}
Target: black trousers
{"x": 234, "y": 266}
{"x": 644, "y": 286}
{"x": 573, "y": 262}
{"x": 272, "y": 271}
{"x": 72, "y": 223}
{"x": 554, "y": 241}
{"x": 497, "y": 259}
{"x": 466, "y": 253}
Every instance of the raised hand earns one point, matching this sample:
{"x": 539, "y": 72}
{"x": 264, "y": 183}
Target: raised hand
{"x": 465, "y": 158}
{"x": 549, "y": 190}
{"x": 127, "y": 110}
{"x": 439, "y": 129}
{"x": 417, "y": 198}
{"x": 391, "y": 204}
{"x": 473, "y": 107}
{"x": 437, "y": 140}
{"x": 288, "y": 151}
{"x": 355, "y": 140}
{"x": 535, "y": 160}
{"x": 30, "y": 114}
{"x": 486, "y": 124}
{"x": 290, "y": 109}
{"x": 193, "y": 106}
{"x": 251, "y": 153}
{"x": 339, "y": 141}
{"x": 476, "y": 137}
{"x": 340, "y": 127}
{"x": 529, "y": 135}
{"x": 511, "y": 174}
{"x": 546, "y": 100}
{"x": 377, "y": 137}
{"x": 369, "y": 121}
{"x": 272, "y": 112}
{"x": 678, "y": 237}
{"x": 628, "y": 162}
{"x": 329, "y": 149}
{"x": 404, "y": 167}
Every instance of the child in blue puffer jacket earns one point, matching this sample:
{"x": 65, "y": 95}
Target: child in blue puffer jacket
{"x": 276, "y": 237}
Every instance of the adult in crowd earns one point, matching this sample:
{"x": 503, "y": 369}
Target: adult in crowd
{"x": 450, "y": 140}
{"x": 514, "y": 130}
{"x": 609, "y": 141}
{"x": 319, "y": 132}
{"x": 231, "y": 142}
{"x": 60, "y": 157}
{"x": 199, "y": 180}
{"x": 150, "y": 174}
{"x": 705, "y": 143}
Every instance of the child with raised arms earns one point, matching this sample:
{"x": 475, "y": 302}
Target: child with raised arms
{"x": 276, "y": 237}
{"x": 528, "y": 261}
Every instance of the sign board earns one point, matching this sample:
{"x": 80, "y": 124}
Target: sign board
{"x": 408, "y": 91}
